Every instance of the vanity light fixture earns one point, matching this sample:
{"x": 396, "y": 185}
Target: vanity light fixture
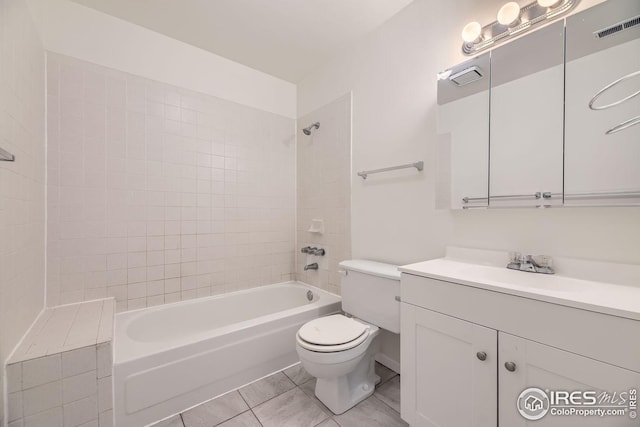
{"x": 509, "y": 14}
{"x": 548, "y": 3}
{"x": 472, "y": 32}
{"x": 512, "y": 20}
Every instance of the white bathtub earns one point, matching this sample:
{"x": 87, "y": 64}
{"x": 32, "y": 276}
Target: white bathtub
{"x": 171, "y": 357}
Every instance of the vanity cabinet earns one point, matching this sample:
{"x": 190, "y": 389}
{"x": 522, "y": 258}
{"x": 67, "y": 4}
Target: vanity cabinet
{"x": 468, "y": 353}
{"x": 449, "y": 369}
{"x": 526, "y": 138}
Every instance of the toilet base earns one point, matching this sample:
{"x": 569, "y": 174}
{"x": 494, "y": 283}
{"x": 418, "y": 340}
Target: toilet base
{"x": 342, "y": 393}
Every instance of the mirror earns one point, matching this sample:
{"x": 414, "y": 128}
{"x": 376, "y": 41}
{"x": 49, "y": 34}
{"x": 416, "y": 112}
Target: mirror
{"x": 463, "y": 113}
{"x": 527, "y": 106}
{"x": 602, "y": 124}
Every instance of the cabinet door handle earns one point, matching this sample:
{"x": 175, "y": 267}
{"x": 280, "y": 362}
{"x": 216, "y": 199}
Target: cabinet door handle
{"x": 510, "y": 366}
{"x": 481, "y": 355}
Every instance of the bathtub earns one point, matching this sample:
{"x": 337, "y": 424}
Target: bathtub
{"x": 172, "y": 357}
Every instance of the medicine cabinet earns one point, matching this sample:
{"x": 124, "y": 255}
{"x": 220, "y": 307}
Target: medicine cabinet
{"x": 551, "y": 119}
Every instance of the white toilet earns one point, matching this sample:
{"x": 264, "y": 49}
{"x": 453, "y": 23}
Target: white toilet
{"x": 339, "y": 350}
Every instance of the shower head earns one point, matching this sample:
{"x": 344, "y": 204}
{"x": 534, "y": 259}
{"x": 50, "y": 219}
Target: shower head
{"x": 307, "y": 130}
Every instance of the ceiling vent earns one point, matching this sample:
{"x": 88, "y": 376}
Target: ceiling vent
{"x": 618, "y": 27}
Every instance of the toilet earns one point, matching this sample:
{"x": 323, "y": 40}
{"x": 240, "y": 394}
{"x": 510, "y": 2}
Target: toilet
{"x": 340, "y": 349}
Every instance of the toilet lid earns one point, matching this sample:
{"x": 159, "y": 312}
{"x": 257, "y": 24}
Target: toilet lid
{"x": 332, "y": 330}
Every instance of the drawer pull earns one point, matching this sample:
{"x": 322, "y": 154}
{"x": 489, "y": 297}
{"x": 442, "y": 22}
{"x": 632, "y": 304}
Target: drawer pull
{"x": 481, "y": 355}
{"x": 510, "y": 366}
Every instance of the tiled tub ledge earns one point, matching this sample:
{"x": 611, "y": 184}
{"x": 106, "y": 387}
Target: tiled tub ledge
{"x": 61, "y": 374}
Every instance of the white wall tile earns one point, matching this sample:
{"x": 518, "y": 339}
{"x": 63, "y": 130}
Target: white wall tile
{"x": 14, "y": 406}
{"x": 174, "y": 194}
{"x": 79, "y": 386}
{"x": 41, "y": 371}
{"x": 49, "y": 418}
{"x": 41, "y": 398}
{"x": 105, "y": 394}
{"x": 14, "y": 377}
{"x": 80, "y": 411}
{"x": 324, "y": 188}
{"x": 22, "y": 183}
{"x": 78, "y": 361}
{"x": 105, "y": 360}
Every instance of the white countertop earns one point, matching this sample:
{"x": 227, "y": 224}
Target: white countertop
{"x": 608, "y": 298}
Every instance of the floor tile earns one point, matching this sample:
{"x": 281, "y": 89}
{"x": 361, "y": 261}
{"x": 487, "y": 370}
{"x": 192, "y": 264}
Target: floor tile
{"x": 291, "y": 409}
{"x": 384, "y": 373}
{"x": 328, "y": 423}
{"x": 216, "y": 411}
{"x": 389, "y": 393}
{"x": 298, "y": 374}
{"x": 266, "y": 388}
{"x": 246, "y": 419}
{"x": 175, "y": 421}
{"x": 370, "y": 413}
{"x": 309, "y": 388}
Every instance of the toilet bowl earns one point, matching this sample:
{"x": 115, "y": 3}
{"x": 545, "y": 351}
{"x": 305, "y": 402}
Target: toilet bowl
{"x": 340, "y": 352}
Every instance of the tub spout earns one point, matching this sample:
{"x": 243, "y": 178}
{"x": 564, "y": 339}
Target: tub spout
{"x": 313, "y": 266}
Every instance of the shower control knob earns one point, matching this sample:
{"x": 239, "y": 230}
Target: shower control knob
{"x": 481, "y": 355}
{"x": 510, "y": 366}
{"x": 319, "y": 252}
{"x": 306, "y": 250}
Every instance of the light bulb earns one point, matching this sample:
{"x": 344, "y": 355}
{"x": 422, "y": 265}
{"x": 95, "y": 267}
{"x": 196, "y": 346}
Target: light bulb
{"x": 509, "y": 14}
{"x": 471, "y": 32}
{"x": 548, "y": 3}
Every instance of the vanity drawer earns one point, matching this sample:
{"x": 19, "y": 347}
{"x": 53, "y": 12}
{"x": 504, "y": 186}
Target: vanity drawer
{"x": 607, "y": 338}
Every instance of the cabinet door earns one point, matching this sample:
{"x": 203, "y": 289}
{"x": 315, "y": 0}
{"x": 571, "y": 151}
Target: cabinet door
{"x": 527, "y": 107}
{"x": 548, "y": 368}
{"x": 463, "y": 113}
{"x": 444, "y": 382}
{"x": 602, "y": 147}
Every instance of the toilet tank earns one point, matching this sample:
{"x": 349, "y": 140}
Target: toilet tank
{"x": 369, "y": 292}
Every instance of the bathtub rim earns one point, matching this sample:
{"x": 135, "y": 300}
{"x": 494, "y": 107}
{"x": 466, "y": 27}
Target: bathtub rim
{"x": 120, "y": 326}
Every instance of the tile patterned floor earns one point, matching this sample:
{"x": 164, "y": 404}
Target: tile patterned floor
{"x": 286, "y": 399}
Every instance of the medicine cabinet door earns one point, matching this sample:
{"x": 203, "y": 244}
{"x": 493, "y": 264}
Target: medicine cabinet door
{"x": 463, "y": 112}
{"x": 526, "y": 136}
{"x": 602, "y": 145}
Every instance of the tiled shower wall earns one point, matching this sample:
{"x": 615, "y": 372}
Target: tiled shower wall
{"x": 158, "y": 194}
{"x": 22, "y": 200}
{"x": 324, "y": 192}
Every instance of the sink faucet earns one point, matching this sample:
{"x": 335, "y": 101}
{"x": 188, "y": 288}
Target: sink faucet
{"x": 312, "y": 266}
{"x": 529, "y": 264}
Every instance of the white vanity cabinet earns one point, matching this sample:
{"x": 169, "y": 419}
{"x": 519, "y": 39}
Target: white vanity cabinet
{"x": 467, "y": 354}
{"x": 449, "y": 369}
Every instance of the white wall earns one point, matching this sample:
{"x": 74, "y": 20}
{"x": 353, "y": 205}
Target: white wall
{"x": 392, "y": 73}
{"x": 22, "y": 208}
{"x": 81, "y": 32}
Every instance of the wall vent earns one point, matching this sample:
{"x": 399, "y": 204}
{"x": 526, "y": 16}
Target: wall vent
{"x": 617, "y": 27}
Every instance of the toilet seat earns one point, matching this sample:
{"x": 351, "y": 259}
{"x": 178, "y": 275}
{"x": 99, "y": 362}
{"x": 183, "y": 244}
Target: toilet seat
{"x": 332, "y": 334}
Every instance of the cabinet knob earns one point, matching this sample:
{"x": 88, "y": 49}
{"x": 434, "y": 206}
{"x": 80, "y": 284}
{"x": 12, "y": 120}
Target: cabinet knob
{"x": 510, "y": 366}
{"x": 481, "y": 355}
